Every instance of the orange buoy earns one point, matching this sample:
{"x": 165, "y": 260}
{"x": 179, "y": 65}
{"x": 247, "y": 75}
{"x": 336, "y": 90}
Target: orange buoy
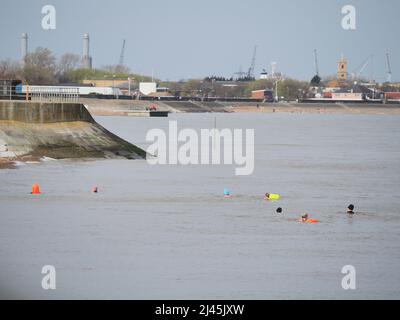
{"x": 35, "y": 189}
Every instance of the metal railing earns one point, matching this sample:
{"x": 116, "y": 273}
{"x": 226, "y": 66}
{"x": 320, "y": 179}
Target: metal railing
{"x": 40, "y": 93}
{"x": 9, "y": 93}
{"x": 53, "y": 94}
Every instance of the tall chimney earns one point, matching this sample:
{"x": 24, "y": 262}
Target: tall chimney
{"x": 24, "y": 47}
{"x": 86, "y": 59}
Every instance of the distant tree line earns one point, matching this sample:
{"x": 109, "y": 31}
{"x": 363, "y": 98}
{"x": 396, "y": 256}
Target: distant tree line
{"x": 288, "y": 88}
{"x": 220, "y": 79}
{"x": 41, "y": 67}
{"x": 231, "y": 79}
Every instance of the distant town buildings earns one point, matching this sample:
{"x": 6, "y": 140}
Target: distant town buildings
{"x": 147, "y": 88}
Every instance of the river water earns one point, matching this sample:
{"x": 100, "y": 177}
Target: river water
{"x": 166, "y": 232}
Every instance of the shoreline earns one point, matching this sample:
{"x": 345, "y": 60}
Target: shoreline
{"x": 11, "y": 163}
{"x": 322, "y": 109}
{"x": 100, "y": 107}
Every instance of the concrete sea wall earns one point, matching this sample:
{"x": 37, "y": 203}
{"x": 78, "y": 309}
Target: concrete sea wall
{"x": 56, "y": 130}
{"x": 35, "y": 112}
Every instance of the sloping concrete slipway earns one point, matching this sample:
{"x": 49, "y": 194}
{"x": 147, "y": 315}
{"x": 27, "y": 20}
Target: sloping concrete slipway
{"x": 59, "y": 131}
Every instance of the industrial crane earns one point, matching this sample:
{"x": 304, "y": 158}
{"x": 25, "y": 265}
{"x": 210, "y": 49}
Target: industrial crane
{"x": 316, "y": 80}
{"x": 122, "y": 56}
{"x": 240, "y": 74}
{"x": 389, "y": 69}
{"x": 250, "y": 73}
{"x": 243, "y": 76}
{"x": 357, "y": 75}
{"x": 316, "y": 62}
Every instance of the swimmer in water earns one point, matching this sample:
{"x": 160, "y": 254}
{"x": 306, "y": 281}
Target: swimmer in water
{"x": 279, "y": 210}
{"x": 304, "y": 218}
{"x": 350, "y": 209}
{"x": 227, "y": 193}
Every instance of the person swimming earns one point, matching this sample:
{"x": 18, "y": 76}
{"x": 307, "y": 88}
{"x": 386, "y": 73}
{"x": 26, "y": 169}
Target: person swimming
{"x": 305, "y": 219}
{"x": 350, "y": 209}
{"x": 279, "y": 210}
{"x": 227, "y": 193}
{"x": 272, "y": 197}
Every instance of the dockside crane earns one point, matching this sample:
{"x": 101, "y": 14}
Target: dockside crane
{"x": 240, "y": 74}
{"x": 316, "y": 80}
{"x": 122, "y": 56}
{"x": 356, "y": 75}
{"x": 250, "y": 73}
{"x": 389, "y": 68}
{"x": 316, "y": 62}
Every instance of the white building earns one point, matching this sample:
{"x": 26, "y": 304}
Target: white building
{"x": 147, "y": 87}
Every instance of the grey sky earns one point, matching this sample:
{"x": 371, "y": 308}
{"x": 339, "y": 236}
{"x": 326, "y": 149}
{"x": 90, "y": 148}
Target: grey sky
{"x": 187, "y": 38}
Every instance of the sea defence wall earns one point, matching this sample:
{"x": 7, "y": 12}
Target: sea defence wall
{"x": 57, "y": 130}
{"x": 35, "y": 112}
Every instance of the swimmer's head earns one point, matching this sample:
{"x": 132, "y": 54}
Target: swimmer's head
{"x": 279, "y": 210}
{"x": 305, "y": 217}
{"x": 267, "y": 195}
{"x": 350, "y": 209}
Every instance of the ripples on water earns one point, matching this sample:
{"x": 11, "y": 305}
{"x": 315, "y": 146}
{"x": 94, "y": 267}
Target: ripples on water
{"x": 167, "y": 232}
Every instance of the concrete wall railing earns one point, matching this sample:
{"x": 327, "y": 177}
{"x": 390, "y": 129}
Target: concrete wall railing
{"x": 36, "y": 112}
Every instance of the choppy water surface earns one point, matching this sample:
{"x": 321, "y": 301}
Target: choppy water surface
{"x": 166, "y": 231}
